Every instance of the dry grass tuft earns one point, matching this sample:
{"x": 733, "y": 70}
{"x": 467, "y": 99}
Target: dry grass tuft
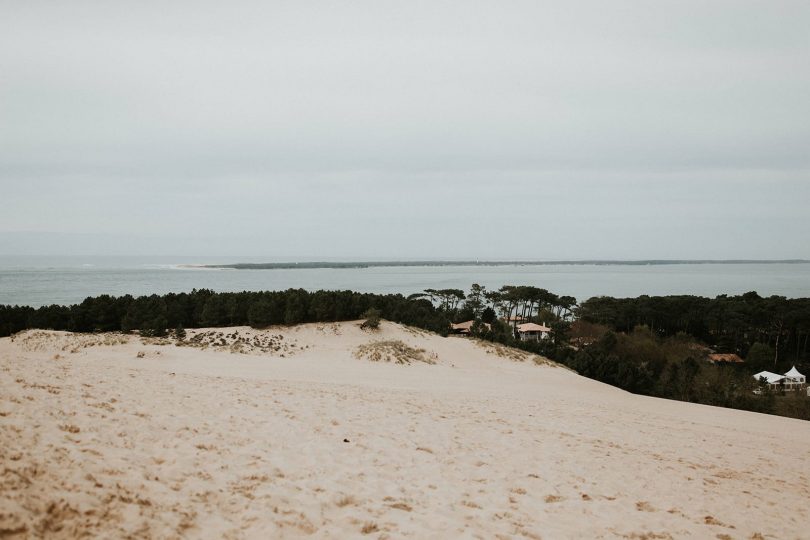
{"x": 418, "y": 332}
{"x": 253, "y": 341}
{"x": 516, "y": 355}
{"x": 393, "y": 351}
{"x": 155, "y": 340}
{"x": 369, "y": 528}
{"x": 346, "y": 500}
{"x": 205, "y": 447}
{"x": 502, "y": 351}
{"x": 44, "y": 340}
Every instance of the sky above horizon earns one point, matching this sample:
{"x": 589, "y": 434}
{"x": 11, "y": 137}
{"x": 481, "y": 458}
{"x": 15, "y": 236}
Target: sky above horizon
{"x": 372, "y": 130}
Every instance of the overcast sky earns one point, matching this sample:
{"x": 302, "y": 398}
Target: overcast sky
{"x": 531, "y": 130}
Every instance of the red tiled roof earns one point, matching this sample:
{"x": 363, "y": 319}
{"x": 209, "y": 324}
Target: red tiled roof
{"x": 730, "y": 358}
{"x": 532, "y": 327}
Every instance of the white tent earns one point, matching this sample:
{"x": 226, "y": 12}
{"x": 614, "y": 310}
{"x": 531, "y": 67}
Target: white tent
{"x": 772, "y": 378}
{"x": 796, "y": 376}
{"x": 790, "y": 381}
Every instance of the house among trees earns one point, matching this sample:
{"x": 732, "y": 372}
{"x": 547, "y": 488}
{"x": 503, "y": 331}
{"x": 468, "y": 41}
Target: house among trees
{"x": 533, "y": 332}
{"x": 464, "y": 328}
{"x": 789, "y": 382}
{"x": 725, "y": 359}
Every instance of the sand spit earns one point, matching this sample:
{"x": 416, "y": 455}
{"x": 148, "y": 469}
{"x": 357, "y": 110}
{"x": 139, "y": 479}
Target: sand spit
{"x": 290, "y": 432}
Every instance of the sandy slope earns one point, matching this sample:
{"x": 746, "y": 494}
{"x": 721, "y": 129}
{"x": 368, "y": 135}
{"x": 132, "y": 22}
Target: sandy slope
{"x": 107, "y": 436}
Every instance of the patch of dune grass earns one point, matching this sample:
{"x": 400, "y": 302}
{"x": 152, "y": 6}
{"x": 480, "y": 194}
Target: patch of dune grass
{"x": 514, "y": 354}
{"x": 369, "y": 528}
{"x": 394, "y": 351}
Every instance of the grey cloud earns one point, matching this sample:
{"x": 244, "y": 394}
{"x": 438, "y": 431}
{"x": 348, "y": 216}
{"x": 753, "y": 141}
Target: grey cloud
{"x": 616, "y": 129}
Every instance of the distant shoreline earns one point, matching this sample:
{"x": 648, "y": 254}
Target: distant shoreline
{"x": 429, "y": 263}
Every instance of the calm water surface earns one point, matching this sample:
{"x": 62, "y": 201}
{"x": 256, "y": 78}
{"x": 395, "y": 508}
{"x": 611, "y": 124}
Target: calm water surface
{"x": 38, "y": 281}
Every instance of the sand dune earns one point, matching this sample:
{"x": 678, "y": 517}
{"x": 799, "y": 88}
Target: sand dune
{"x": 294, "y": 432}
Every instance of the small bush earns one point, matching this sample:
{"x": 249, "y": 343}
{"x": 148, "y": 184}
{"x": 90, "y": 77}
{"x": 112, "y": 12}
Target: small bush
{"x": 372, "y": 319}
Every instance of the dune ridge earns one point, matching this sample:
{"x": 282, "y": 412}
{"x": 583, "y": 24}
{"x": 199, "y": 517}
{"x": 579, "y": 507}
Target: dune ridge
{"x": 293, "y": 432}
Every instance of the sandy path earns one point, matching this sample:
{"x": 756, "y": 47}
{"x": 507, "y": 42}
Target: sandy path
{"x": 196, "y": 443}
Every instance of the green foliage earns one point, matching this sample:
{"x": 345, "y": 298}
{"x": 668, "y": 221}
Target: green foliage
{"x": 794, "y": 405}
{"x": 622, "y": 361}
{"x": 155, "y": 327}
{"x": 296, "y": 309}
{"x": 644, "y": 363}
{"x": 476, "y": 301}
{"x": 215, "y": 311}
{"x": 760, "y": 357}
{"x": 264, "y": 312}
{"x": 148, "y": 314}
{"x": 152, "y": 315}
{"x": 479, "y": 328}
{"x": 448, "y": 300}
{"x": 729, "y": 324}
{"x": 679, "y": 379}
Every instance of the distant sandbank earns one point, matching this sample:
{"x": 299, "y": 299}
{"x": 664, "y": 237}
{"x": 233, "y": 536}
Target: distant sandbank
{"x": 435, "y": 263}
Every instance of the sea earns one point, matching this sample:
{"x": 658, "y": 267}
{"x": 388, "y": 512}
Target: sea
{"x": 37, "y": 281}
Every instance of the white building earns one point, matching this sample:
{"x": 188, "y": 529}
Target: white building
{"x": 790, "y": 381}
{"x": 533, "y": 332}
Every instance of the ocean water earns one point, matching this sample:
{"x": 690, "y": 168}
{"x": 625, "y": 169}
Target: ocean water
{"x": 37, "y": 281}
